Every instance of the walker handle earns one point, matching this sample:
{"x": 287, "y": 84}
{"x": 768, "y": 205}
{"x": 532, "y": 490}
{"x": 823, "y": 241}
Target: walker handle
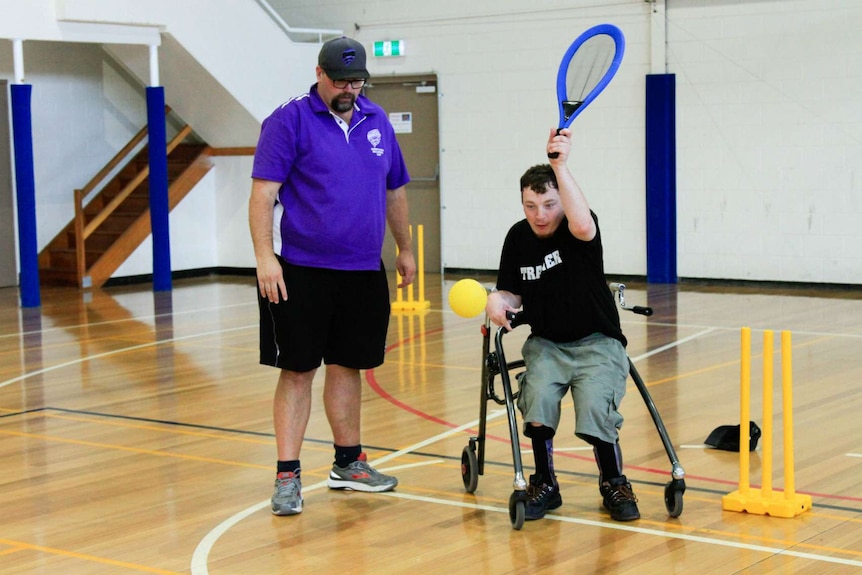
{"x": 516, "y": 318}
{"x": 619, "y": 291}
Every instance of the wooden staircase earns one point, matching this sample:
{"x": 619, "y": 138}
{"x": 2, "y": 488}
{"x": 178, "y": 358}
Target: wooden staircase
{"x": 110, "y": 226}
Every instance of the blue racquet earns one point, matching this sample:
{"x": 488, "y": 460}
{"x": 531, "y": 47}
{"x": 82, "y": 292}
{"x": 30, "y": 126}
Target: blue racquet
{"x": 586, "y": 69}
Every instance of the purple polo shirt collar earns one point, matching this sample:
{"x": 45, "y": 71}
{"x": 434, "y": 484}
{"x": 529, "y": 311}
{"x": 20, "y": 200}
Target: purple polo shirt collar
{"x": 318, "y": 106}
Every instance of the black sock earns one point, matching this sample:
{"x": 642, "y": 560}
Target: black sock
{"x": 344, "y": 456}
{"x": 291, "y": 466}
{"x": 543, "y": 452}
{"x": 609, "y": 459}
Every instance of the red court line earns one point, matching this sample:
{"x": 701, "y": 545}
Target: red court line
{"x": 375, "y": 385}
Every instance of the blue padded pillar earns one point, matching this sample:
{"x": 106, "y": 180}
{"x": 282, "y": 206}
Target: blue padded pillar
{"x": 25, "y": 185}
{"x": 159, "y": 206}
{"x": 661, "y": 178}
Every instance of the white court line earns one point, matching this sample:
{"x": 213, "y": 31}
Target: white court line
{"x": 200, "y": 558}
{"x": 117, "y": 351}
{"x": 673, "y": 344}
{"x": 641, "y": 530}
{"x": 201, "y": 555}
{"x": 854, "y": 454}
{"x": 411, "y": 465}
{"x": 436, "y": 438}
{"x": 636, "y": 359}
{"x": 139, "y": 318}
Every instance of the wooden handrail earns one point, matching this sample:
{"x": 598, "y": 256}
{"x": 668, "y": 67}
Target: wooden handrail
{"x": 131, "y": 186}
{"x": 115, "y": 161}
{"x": 80, "y": 255}
{"x": 115, "y": 203}
{"x": 82, "y": 231}
{"x": 181, "y": 135}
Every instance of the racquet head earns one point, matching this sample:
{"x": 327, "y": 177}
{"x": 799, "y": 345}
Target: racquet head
{"x": 586, "y": 69}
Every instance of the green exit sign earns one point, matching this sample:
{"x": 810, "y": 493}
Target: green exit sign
{"x": 388, "y": 48}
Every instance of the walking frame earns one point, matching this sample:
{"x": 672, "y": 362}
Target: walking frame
{"x": 495, "y": 363}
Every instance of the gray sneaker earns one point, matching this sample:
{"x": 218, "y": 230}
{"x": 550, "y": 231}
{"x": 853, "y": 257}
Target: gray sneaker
{"x": 287, "y": 497}
{"x": 360, "y": 476}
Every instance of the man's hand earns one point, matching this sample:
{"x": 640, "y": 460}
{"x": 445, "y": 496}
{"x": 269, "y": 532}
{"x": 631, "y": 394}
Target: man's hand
{"x": 270, "y": 280}
{"x": 406, "y": 266}
{"x": 559, "y": 146}
{"x": 500, "y": 303}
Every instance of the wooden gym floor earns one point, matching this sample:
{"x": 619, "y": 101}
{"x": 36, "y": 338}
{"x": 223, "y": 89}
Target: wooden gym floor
{"x": 136, "y": 437}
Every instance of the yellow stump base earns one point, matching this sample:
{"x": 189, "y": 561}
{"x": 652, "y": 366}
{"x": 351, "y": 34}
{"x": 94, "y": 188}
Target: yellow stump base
{"x": 766, "y": 501}
{"x": 775, "y": 504}
{"x": 410, "y": 305}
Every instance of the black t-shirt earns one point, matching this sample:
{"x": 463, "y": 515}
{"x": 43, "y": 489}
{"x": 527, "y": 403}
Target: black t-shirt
{"x": 561, "y": 281}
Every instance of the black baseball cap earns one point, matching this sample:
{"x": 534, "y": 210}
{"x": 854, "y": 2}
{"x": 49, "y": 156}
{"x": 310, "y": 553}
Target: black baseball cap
{"x": 343, "y": 58}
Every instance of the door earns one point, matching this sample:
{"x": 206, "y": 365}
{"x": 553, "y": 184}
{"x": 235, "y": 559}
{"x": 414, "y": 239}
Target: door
{"x": 411, "y": 102}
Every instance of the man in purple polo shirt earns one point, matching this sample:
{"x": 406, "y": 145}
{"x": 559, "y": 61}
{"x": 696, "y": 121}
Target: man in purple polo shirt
{"x": 328, "y": 176}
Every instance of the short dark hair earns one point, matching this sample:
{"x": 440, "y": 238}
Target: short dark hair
{"x": 539, "y": 179}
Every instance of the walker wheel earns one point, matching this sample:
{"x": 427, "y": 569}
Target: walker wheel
{"x": 469, "y": 469}
{"x": 517, "y": 509}
{"x": 673, "y": 496}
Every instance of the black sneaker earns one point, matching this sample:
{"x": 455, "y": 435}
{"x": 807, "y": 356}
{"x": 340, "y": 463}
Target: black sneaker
{"x": 542, "y": 498}
{"x": 619, "y": 499}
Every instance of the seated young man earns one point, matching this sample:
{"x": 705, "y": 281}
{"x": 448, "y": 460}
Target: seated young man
{"x": 551, "y": 266}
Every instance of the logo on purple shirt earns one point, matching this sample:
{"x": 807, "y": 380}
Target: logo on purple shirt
{"x": 374, "y": 138}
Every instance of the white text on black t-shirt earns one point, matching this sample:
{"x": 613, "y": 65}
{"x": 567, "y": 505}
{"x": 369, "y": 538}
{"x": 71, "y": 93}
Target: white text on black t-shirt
{"x": 529, "y": 273}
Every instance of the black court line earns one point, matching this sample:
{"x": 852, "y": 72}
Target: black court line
{"x": 580, "y": 475}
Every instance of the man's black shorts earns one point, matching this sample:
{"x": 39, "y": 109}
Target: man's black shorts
{"x": 339, "y": 317}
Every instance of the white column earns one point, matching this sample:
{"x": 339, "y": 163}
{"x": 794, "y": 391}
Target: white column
{"x": 18, "y": 60}
{"x": 658, "y": 37}
{"x": 154, "y": 65}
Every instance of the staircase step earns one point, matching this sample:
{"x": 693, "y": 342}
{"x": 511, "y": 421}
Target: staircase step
{"x": 137, "y": 202}
{"x": 100, "y": 240}
{"x": 63, "y": 259}
{"x": 186, "y": 152}
{"x": 58, "y": 277}
{"x": 67, "y": 259}
{"x": 124, "y": 229}
{"x": 119, "y": 221}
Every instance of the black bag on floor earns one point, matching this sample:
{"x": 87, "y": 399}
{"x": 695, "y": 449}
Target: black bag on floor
{"x": 726, "y": 437}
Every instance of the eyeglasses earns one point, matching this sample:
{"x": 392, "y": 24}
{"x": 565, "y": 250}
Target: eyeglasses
{"x": 342, "y": 84}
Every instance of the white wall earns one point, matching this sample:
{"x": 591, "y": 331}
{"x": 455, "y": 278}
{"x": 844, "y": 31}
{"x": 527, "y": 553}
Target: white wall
{"x": 768, "y": 125}
{"x": 497, "y": 75}
{"x": 209, "y": 228}
{"x": 770, "y": 139}
{"x": 497, "y": 63}
{"x": 235, "y": 41}
{"x": 222, "y": 75}
{"x": 231, "y": 212}
{"x": 83, "y": 110}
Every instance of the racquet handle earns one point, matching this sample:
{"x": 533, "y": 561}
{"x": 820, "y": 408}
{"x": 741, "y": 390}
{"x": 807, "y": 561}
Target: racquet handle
{"x": 638, "y": 309}
{"x": 555, "y": 155}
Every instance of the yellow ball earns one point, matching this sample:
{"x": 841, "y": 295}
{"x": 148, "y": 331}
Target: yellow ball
{"x": 468, "y": 297}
